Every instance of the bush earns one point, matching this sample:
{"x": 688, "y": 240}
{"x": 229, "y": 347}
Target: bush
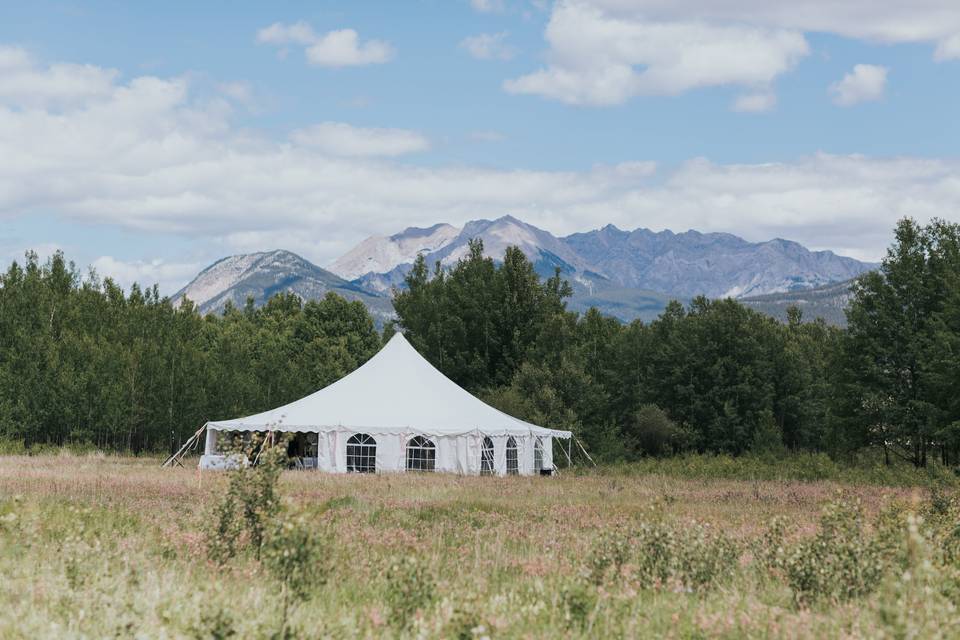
{"x": 579, "y": 601}
{"x": 296, "y": 557}
{"x": 691, "y": 557}
{"x": 687, "y": 557}
{"x": 610, "y": 552}
{"x": 655, "y": 433}
{"x": 840, "y": 562}
{"x": 410, "y": 588}
{"x": 250, "y": 502}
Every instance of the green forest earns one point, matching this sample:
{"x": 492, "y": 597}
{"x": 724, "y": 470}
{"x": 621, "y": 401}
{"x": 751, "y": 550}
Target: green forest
{"x": 83, "y": 362}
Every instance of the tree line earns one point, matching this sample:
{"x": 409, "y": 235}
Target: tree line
{"x": 82, "y": 361}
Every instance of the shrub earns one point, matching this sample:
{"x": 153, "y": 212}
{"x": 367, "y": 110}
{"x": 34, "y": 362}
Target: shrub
{"x": 610, "y": 552}
{"x": 691, "y": 557}
{"x": 296, "y": 557}
{"x": 410, "y": 588}
{"x": 655, "y": 433}
{"x": 769, "y": 551}
{"x": 687, "y": 557}
{"x": 840, "y": 562}
{"x": 246, "y": 509}
{"x": 578, "y": 600}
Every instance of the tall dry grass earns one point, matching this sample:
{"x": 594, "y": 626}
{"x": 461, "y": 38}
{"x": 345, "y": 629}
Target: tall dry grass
{"x": 98, "y": 546}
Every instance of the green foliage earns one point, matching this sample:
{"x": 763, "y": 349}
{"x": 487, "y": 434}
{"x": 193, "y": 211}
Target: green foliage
{"x": 296, "y": 557}
{"x": 840, "y": 562}
{"x": 250, "y": 503}
{"x": 579, "y": 602}
{"x": 900, "y": 357}
{"x": 411, "y": 588}
{"x": 687, "y": 557}
{"x": 84, "y": 363}
{"x": 610, "y": 552}
{"x": 655, "y": 433}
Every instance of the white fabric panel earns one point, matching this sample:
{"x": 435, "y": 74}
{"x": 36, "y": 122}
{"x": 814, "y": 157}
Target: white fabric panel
{"x": 525, "y": 455}
{"x": 210, "y": 447}
{"x": 391, "y": 453}
{"x": 547, "y": 452}
{"x": 455, "y": 454}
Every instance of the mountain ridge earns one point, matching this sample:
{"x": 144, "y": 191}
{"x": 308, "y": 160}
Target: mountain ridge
{"x": 626, "y": 274}
{"x": 684, "y": 264}
{"x": 263, "y": 274}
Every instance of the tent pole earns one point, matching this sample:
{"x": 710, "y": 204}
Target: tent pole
{"x": 175, "y": 458}
{"x": 580, "y": 444}
{"x": 569, "y": 459}
{"x": 268, "y": 437}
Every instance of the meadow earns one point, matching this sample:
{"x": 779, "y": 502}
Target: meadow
{"x": 95, "y": 546}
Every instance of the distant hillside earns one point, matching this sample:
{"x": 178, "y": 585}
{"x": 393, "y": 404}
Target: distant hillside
{"x": 262, "y": 275}
{"x": 828, "y": 302}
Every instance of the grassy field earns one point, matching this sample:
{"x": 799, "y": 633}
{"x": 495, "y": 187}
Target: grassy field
{"x": 100, "y": 546}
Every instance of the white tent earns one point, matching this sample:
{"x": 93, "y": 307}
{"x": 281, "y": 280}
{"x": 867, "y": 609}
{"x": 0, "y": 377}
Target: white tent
{"x": 396, "y": 413}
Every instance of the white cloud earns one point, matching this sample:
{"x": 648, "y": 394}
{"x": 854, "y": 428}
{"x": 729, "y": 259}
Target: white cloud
{"x": 338, "y": 48}
{"x": 279, "y": 33}
{"x": 23, "y": 81}
{"x": 604, "y": 52}
{"x": 948, "y": 49}
{"x": 755, "y": 102}
{"x": 865, "y": 83}
{"x": 239, "y": 91}
{"x": 881, "y": 21}
{"x": 341, "y": 139}
{"x": 147, "y": 156}
{"x": 488, "y": 6}
{"x": 169, "y": 276}
{"x": 596, "y": 58}
{"x": 489, "y": 46}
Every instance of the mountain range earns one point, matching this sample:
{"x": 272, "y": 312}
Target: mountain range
{"x": 627, "y": 274}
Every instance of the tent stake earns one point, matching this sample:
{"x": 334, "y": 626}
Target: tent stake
{"x": 175, "y": 458}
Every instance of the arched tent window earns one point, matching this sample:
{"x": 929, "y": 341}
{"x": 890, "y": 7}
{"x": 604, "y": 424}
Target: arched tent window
{"x": 513, "y": 466}
{"x": 538, "y": 455}
{"x": 486, "y": 458}
{"x": 421, "y": 454}
{"x": 361, "y": 454}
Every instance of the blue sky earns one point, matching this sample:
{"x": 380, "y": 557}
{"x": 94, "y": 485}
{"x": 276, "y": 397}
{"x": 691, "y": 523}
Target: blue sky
{"x": 151, "y": 140}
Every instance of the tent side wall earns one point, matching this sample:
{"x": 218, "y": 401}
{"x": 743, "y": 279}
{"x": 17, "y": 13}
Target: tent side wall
{"x": 459, "y": 454}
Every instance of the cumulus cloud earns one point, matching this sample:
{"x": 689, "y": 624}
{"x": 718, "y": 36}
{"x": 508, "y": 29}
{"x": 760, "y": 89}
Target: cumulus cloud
{"x": 865, "y": 83}
{"x": 342, "y": 139}
{"x": 597, "y": 58}
{"x": 489, "y": 46}
{"x": 169, "y": 276}
{"x": 604, "y": 52}
{"x": 338, "y": 48}
{"x": 146, "y": 155}
{"x": 882, "y": 21}
{"x": 25, "y": 82}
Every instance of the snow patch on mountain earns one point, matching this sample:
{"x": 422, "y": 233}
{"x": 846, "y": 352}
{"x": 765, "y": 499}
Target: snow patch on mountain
{"x": 381, "y": 254}
{"x": 218, "y": 277}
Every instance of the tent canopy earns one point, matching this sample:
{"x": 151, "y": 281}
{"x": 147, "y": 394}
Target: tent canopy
{"x": 396, "y": 391}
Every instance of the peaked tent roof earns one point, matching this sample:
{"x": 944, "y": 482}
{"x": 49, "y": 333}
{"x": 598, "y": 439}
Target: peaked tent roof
{"x": 396, "y": 391}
